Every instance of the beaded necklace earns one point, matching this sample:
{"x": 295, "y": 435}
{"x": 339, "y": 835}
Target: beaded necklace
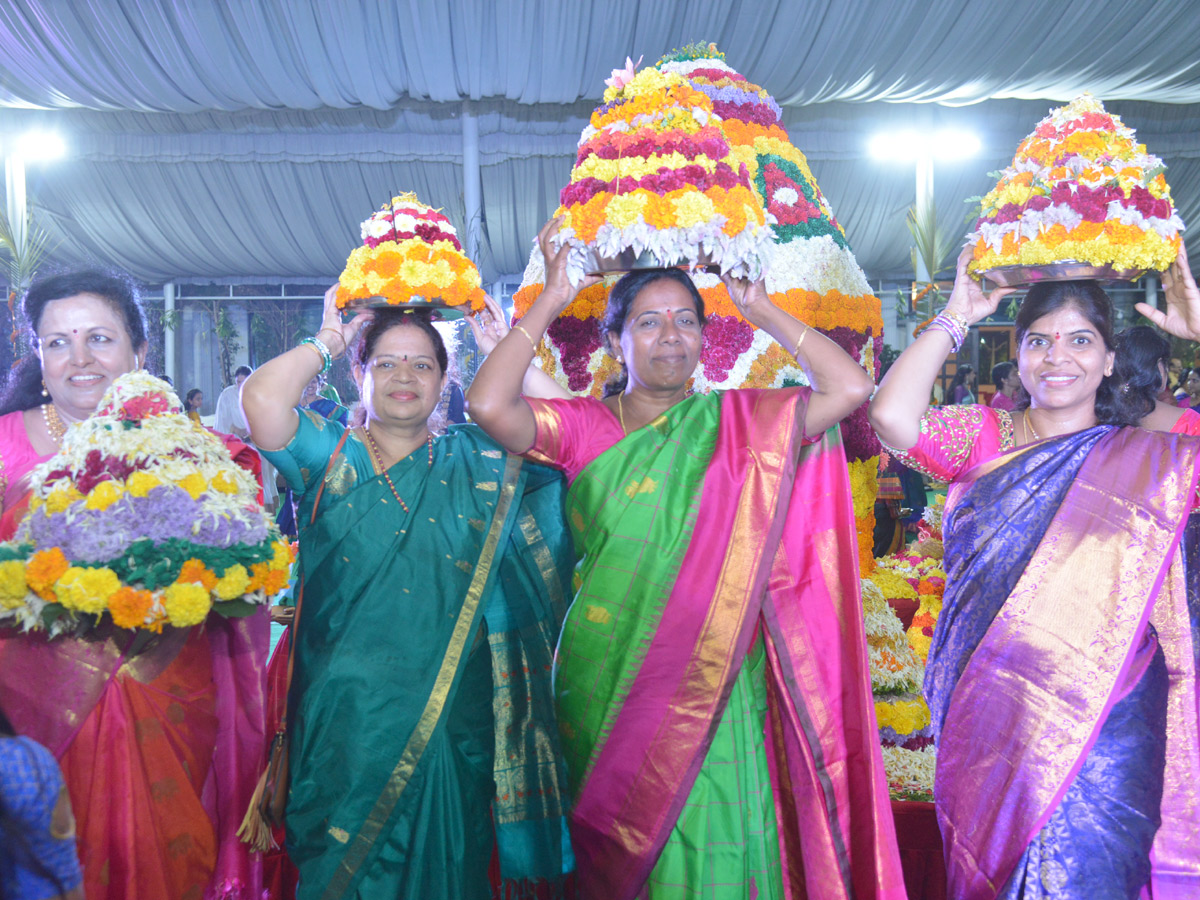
{"x": 378, "y": 460}
{"x": 55, "y": 426}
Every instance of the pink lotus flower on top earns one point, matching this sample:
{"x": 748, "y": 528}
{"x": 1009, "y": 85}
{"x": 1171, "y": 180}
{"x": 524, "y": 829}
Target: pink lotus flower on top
{"x": 622, "y": 77}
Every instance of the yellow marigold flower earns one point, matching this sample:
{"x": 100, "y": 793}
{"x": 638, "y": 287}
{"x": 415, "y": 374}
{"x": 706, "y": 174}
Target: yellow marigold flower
{"x": 282, "y": 555}
{"x": 129, "y": 607}
{"x": 186, "y": 604}
{"x": 194, "y": 484}
{"x": 224, "y": 483}
{"x": 87, "y": 590}
{"x": 234, "y": 583}
{"x": 693, "y": 208}
{"x": 139, "y": 484}
{"x": 13, "y": 588}
{"x": 45, "y": 568}
{"x": 626, "y": 209}
{"x": 103, "y": 495}
{"x": 61, "y": 498}
{"x": 195, "y": 572}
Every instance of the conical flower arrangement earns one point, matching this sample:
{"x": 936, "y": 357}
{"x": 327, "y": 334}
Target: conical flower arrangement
{"x": 1080, "y": 189}
{"x": 812, "y": 272}
{"x": 142, "y": 519}
{"x": 410, "y": 256}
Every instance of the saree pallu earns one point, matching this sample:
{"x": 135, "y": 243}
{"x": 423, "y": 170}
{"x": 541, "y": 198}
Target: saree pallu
{"x": 712, "y": 541}
{"x": 420, "y": 702}
{"x": 1062, "y": 676}
{"x": 160, "y": 747}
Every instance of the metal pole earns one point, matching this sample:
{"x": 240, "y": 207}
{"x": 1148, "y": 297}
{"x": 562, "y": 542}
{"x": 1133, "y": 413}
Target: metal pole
{"x": 472, "y": 182}
{"x": 169, "y": 333}
{"x": 924, "y": 204}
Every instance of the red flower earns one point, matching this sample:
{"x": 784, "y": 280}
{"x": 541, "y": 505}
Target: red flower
{"x": 142, "y": 406}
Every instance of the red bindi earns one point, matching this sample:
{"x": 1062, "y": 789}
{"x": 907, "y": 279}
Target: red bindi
{"x": 1057, "y": 336}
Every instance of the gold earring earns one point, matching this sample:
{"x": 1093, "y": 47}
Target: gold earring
{"x": 45, "y": 393}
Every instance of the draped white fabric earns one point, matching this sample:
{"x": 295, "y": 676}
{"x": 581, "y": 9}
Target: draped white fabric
{"x": 246, "y": 140}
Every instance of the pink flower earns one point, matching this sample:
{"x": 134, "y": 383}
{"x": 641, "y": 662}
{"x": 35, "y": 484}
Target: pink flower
{"x": 622, "y": 77}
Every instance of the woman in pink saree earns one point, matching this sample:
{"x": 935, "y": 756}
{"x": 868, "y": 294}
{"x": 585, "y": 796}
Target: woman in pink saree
{"x": 160, "y": 741}
{"x": 711, "y": 679}
{"x": 1063, "y": 673}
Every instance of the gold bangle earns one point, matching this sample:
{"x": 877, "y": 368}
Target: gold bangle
{"x": 528, "y": 337}
{"x": 313, "y": 347}
{"x": 803, "y": 335}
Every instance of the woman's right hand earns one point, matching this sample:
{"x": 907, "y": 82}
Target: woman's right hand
{"x": 489, "y": 326}
{"x": 967, "y": 299}
{"x": 339, "y": 334}
{"x": 558, "y": 289}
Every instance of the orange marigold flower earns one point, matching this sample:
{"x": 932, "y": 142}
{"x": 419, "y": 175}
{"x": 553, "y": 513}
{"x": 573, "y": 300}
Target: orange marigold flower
{"x": 275, "y": 581}
{"x": 129, "y": 607}
{"x": 195, "y": 572}
{"x": 43, "y": 569}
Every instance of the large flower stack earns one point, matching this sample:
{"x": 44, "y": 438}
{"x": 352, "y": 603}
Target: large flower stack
{"x": 811, "y": 272}
{"x": 143, "y": 520}
{"x": 410, "y": 256}
{"x": 1082, "y": 189}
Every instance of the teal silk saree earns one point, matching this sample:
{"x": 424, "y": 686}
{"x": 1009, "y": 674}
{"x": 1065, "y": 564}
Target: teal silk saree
{"x": 420, "y": 705}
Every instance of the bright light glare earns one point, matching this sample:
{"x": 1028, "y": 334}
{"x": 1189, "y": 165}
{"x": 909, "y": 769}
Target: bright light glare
{"x": 909, "y": 145}
{"x": 39, "y": 146}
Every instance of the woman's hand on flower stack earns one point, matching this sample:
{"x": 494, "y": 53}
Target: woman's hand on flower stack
{"x": 967, "y": 299}
{"x": 1182, "y": 315}
{"x": 334, "y": 333}
{"x": 558, "y": 292}
{"x": 489, "y": 327}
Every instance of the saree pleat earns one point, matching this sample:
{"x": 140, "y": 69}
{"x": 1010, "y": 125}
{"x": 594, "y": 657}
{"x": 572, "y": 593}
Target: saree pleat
{"x": 655, "y": 643}
{"x": 1046, "y": 679}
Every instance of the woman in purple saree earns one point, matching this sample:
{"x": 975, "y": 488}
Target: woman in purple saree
{"x": 1062, "y": 677}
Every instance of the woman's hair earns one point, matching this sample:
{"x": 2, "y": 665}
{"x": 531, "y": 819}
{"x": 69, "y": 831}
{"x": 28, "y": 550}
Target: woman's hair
{"x": 383, "y": 321}
{"x": 960, "y": 377}
{"x": 620, "y": 301}
{"x": 1140, "y": 350}
{"x": 23, "y": 389}
{"x": 1091, "y": 300}
{"x": 187, "y": 403}
{"x": 1001, "y": 371}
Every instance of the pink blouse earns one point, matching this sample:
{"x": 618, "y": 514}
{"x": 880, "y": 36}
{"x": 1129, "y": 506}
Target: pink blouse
{"x": 954, "y": 439}
{"x": 572, "y": 433}
{"x": 17, "y": 457}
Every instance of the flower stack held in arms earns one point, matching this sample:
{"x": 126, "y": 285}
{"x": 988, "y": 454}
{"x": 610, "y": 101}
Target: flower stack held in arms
{"x": 142, "y": 519}
{"x": 1080, "y": 189}
{"x": 410, "y": 256}
{"x": 811, "y": 271}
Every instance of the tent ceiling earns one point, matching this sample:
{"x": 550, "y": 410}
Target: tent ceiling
{"x": 246, "y": 140}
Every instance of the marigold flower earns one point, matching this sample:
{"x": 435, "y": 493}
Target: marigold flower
{"x": 195, "y": 572}
{"x": 87, "y": 590}
{"x": 186, "y": 604}
{"x": 194, "y": 484}
{"x": 234, "y": 583}
{"x": 13, "y": 587}
{"x": 44, "y": 569}
{"x": 103, "y": 495}
{"x": 129, "y": 607}
{"x": 139, "y": 484}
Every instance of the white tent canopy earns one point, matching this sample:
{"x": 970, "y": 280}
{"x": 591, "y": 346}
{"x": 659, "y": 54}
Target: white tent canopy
{"x": 245, "y": 140}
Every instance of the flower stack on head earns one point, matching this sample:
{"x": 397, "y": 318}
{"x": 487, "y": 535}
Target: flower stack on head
{"x": 410, "y": 256}
{"x": 142, "y": 519}
{"x": 1082, "y": 190}
{"x": 811, "y": 272}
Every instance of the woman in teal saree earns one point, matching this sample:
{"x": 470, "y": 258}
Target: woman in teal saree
{"x": 434, "y": 572}
{"x": 711, "y": 679}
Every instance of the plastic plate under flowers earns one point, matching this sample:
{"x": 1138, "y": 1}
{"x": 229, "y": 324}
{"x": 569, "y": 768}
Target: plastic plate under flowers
{"x": 631, "y": 261}
{"x": 436, "y": 306}
{"x": 1065, "y": 270}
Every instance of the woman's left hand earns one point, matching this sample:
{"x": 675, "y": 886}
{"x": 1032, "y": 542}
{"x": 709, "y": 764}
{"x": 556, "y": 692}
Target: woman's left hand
{"x": 1182, "y": 315}
{"x": 489, "y": 326}
{"x": 750, "y": 297}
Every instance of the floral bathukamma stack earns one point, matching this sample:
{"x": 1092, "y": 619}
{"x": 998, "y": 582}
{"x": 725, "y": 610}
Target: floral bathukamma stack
{"x": 811, "y": 272}
{"x": 142, "y": 519}
{"x": 410, "y": 256}
{"x": 1080, "y": 190}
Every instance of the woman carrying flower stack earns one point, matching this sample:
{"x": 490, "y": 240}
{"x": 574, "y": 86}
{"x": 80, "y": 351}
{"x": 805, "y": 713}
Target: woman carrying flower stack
{"x": 434, "y": 571}
{"x": 706, "y": 749}
{"x": 1062, "y": 674}
{"x": 158, "y": 735}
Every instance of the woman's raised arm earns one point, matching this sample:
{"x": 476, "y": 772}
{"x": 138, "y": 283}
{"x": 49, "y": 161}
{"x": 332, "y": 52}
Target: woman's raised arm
{"x": 494, "y": 399}
{"x": 271, "y": 394}
{"x": 903, "y": 395}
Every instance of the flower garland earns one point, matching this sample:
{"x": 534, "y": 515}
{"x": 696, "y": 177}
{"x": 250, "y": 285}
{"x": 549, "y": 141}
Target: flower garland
{"x": 1080, "y": 188}
{"x": 910, "y": 772}
{"x": 410, "y": 254}
{"x": 143, "y": 517}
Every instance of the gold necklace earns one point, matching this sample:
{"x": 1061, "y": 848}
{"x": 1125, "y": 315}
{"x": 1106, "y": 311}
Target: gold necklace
{"x": 378, "y": 459}
{"x": 1029, "y": 429}
{"x": 621, "y": 412}
{"x": 55, "y": 426}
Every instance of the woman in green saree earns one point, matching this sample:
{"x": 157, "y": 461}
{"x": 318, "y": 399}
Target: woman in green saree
{"x": 434, "y": 571}
{"x": 711, "y": 679}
